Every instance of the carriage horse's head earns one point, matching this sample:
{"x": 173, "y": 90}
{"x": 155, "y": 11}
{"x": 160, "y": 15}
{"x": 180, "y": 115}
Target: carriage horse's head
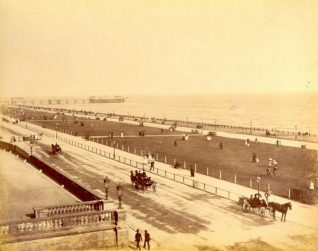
{"x": 289, "y": 205}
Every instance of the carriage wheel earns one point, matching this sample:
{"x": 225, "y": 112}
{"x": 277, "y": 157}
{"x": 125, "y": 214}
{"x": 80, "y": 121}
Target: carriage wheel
{"x": 245, "y": 208}
{"x": 262, "y": 212}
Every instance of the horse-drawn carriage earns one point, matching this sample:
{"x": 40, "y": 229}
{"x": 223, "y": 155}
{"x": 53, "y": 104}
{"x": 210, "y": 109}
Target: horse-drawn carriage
{"x": 258, "y": 205}
{"x": 141, "y": 181}
{"x": 255, "y": 204}
{"x": 56, "y": 148}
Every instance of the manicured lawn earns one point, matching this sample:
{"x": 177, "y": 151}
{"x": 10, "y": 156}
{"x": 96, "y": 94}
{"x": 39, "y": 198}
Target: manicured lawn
{"x": 296, "y": 166}
{"x": 90, "y": 127}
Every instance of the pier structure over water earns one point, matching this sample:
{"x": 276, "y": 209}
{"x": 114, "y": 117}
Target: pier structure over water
{"x": 62, "y": 101}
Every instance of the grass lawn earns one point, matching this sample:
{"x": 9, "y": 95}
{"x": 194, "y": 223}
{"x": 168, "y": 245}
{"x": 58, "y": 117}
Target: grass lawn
{"x": 296, "y": 166}
{"x": 91, "y": 127}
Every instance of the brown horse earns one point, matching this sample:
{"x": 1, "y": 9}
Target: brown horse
{"x": 283, "y": 208}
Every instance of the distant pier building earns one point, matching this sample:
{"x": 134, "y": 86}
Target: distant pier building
{"x": 61, "y": 101}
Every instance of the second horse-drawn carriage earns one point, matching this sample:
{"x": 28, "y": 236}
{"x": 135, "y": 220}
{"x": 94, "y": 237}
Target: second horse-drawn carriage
{"x": 255, "y": 204}
{"x": 260, "y": 206}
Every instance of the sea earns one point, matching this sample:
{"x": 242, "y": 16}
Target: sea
{"x": 281, "y": 111}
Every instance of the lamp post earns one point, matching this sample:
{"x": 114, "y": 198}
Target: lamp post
{"x": 106, "y": 186}
{"x": 119, "y": 193}
{"x": 56, "y": 125}
{"x": 258, "y": 180}
{"x": 114, "y": 154}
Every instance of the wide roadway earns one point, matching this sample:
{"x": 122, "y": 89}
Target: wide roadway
{"x": 179, "y": 217}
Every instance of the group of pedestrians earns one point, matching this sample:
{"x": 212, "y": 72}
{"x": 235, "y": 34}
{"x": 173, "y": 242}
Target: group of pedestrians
{"x": 149, "y": 159}
{"x": 272, "y": 165}
{"x": 138, "y": 239}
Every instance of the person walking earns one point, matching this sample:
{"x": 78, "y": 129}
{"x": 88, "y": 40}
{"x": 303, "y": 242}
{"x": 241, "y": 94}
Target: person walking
{"x": 275, "y": 170}
{"x": 270, "y": 162}
{"x": 152, "y": 165}
{"x": 147, "y": 239}
{"x": 115, "y": 217}
{"x": 145, "y": 161}
{"x": 154, "y": 186}
{"x": 138, "y": 238}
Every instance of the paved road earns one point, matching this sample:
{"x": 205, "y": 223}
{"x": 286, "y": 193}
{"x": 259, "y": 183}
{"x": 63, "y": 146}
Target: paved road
{"x": 178, "y": 216}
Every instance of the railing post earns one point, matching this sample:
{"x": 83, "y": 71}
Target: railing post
{"x": 184, "y": 165}
{"x": 122, "y": 147}
{"x": 157, "y": 156}
{"x": 289, "y": 193}
{"x": 220, "y": 174}
{"x": 234, "y": 178}
{"x": 207, "y": 171}
{"x": 251, "y": 184}
{"x": 140, "y": 152}
{"x": 134, "y": 150}
{"x": 195, "y": 168}
{"x": 165, "y": 159}
{"x": 127, "y": 148}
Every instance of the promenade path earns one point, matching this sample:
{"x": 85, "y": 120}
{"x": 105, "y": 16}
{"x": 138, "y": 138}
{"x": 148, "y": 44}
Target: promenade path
{"x": 177, "y": 216}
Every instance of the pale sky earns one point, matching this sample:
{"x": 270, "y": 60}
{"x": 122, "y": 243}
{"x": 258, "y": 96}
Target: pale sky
{"x": 99, "y": 47}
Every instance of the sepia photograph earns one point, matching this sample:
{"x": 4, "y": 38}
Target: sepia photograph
{"x": 164, "y": 125}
